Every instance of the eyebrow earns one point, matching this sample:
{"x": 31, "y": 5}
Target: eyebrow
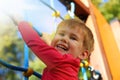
{"x": 60, "y": 30}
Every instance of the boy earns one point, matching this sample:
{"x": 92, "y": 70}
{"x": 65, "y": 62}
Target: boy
{"x": 72, "y": 43}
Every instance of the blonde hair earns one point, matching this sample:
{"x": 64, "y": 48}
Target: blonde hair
{"x": 88, "y": 42}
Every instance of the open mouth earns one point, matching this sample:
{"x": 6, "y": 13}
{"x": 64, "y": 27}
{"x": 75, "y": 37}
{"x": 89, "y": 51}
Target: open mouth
{"x": 62, "y": 47}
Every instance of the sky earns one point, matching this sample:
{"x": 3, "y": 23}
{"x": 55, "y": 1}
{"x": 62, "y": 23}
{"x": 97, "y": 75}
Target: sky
{"x": 105, "y": 0}
{"x": 34, "y": 12}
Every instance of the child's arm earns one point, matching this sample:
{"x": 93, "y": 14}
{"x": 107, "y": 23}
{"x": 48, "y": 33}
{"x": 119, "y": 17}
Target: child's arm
{"x": 46, "y": 53}
{"x": 27, "y": 32}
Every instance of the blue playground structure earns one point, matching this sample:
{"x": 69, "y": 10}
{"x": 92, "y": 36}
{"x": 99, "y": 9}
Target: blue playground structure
{"x": 86, "y": 71}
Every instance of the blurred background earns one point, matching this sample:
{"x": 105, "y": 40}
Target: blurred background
{"x": 101, "y": 16}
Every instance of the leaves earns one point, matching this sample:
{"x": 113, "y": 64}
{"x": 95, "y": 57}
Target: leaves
{"x": 10, "y": 48}
{"x": 110, "y": 9}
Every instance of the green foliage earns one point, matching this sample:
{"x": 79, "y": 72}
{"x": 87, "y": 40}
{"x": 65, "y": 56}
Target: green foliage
{"x": 12, "y": 51}
{"x": 110, "y": 9}
{"x": 37, "y": 66}
{"x": 97, "y": 3}
{"x": 11, "y": 48}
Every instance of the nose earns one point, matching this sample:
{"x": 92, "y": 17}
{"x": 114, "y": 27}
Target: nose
{"x": 64, "y": 39}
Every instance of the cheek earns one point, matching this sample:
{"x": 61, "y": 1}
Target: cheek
{"x": 73, "y": 46}
{"x": 76, "y": 46}
{"x": 54, "y": 41}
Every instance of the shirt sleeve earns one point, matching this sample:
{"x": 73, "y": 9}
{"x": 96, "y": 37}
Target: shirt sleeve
{"x": 46, "y": 53}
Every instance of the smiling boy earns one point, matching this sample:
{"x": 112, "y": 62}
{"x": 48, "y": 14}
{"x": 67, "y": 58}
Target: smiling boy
{"x": 73, "y": 42}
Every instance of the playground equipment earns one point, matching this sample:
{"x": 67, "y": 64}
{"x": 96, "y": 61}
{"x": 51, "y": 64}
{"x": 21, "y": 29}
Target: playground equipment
{"x": 86, "y": 72}
{"x": 12, "y": 67}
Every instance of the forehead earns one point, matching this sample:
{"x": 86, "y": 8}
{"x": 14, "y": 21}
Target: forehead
{"x": 71, "y": 28}
{"x": 76, "y": 30}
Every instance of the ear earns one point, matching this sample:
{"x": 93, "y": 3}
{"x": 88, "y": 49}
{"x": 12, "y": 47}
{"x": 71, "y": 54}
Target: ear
{"x": 84, "y": 55}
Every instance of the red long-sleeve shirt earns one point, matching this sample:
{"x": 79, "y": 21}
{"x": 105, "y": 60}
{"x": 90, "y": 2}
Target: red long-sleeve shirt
{"x": 59, "y": 67}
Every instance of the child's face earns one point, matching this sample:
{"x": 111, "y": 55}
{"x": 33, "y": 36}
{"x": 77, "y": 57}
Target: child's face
{"x": 69, "y": 40}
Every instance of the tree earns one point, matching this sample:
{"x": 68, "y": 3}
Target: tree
{"x": 109, "y": 9}
{"x": 10, "y": 46}
{"x": 96, "y": 2}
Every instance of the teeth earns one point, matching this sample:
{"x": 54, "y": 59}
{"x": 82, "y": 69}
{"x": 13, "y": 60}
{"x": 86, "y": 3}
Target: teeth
{"x": 62, "y": 47}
